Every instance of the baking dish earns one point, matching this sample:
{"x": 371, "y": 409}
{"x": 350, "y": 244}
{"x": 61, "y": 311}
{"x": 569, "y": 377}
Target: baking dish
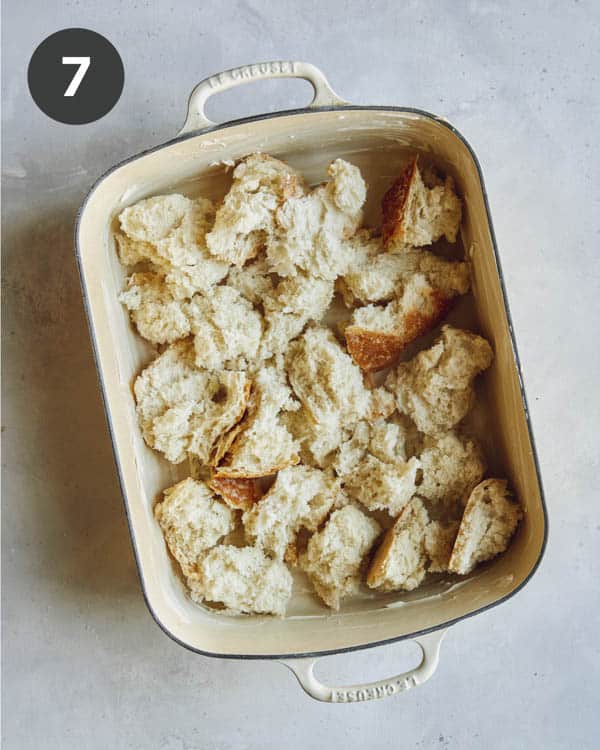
{"x": 377, "y": 139}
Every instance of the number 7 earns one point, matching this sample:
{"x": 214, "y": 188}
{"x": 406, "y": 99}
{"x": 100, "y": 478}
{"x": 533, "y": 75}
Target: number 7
{"x": 84, "y": 64}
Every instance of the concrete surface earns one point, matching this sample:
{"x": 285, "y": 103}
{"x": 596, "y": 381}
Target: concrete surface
{"x": 84, "y": 664}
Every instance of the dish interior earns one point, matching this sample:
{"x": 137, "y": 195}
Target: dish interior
{"x": 379, "y": 142}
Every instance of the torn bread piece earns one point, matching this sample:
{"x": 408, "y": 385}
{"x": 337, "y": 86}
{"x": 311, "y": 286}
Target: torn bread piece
{"x": 435, "y": 388}
{"x": 488, "y": 523}
{"x": 300, "y": 497}
{"x": 240, "y": 494}
{"x": 227, "y": 329}
{"x": 400, "y": 561}
{"x": 351, "y": 450}
{"x": 334, "y": 555}
{"x": 182, "y": 409}
{"x": 244, "y": 222}
{"x": 253, "y": 281}
{"x": 261, "y": 444}
{"x": 383, "y": 486}
{"x": 377, "y": 335}
{"x": 193, "y": 521}
{"x": 439, "y": 541}
{"x": 243, "y": 579}
{"x": 378, "y": 276}
{"x": 451, "y": 467}
{"x": 418, "y": 209}
{"x": 312, "y": 229}
{"x": 294, "y": 302}
{"x": 325, "y": 380}
{"x": 158, "y": 316}
{"x": 169, "y": 232}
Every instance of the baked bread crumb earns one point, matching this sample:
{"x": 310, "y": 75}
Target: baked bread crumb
{"x": 435, "y": 388}
{"x": 383, "y": 486}
{"x": 400, "y": 561}
{"x": 490, "y": 519}
{"x": 182, "y": 409}
{"x": 418, "y": 211}
{"x": 451, "y": 467}
{"x": 245, "y": 221}
{"x": 243, "y": 579}
{"x": 439, "y": 540}
{"x": 193, "y": 521}
{"x": 311, "y": 229}
{"x": 334, "y": 555}
{"x": 300, "y": 497}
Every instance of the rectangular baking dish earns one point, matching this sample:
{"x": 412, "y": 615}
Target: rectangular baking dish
{"x": 377, "y": 139}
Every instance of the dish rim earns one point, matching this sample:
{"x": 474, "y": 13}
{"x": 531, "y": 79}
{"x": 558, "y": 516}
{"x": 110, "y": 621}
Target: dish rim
{"x": 259, "y": 118}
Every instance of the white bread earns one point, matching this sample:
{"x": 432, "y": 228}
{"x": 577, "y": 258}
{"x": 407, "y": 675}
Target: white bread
{"x": 334, "y": 555}
{"x": 261, "y": 444}
{"x": 240, "y": 494}
{"x": 227, "y": 329}
{"x": 253, "y": 281}
{"x": 182, "y": 409}
{"x": 382, "y": 486}
{"x": 325, "y": 380}
{"x": 352, "y": 450}
{"x": 451, "y": 467}
{"x": 418, "y": 209}
{"x": 244, "y": 222}
{"x": 169, "y": 231}
{"x": 439, "y": 540}
{"x": 400, "y": 561}
{"x": 311, "y": 229}
{"x": 192, "y": 521}
{"x": 300, "y": 497}
{"x": 243, "y": 579}
{"x": 388, "y": 440}
{"x": 436, "y": 387}
{"x": 488, "y": 523}
{"x": 378, "y": 334}
{"x": 292, "y": 304}
{"x": 158, "y": 316}
{"x": 318, "y": 440}
{"x": 378, "y": 276}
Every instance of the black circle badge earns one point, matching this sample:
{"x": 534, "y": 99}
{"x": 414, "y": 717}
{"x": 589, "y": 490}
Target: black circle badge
{"x": 75, "y": 76}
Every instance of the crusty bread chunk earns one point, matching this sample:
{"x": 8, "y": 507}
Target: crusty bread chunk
{"x": 378, "y": 276}
{"x": 488, "y": 523}
{"x": 227, "y": 329}
{"x": 240, "y": 494}
{"x": 439, "y": 540}
{"x": 436, "y": 387}
{"x": 451, "y": 467}
{"x": 311, "y": 229}
{"x": 193, "y": 521}
{"x": 243, "y": 579}
{"x": 244, "y": 222}
{"x": 301, "y": 497}
{"x": 335, "y": 554}
{"x": 327, "y": 382}
{"x": 418, "y": 209}
{"x": 182, "y": 409}
{"x": 294, "y": 302}
{"x": 261, "y": 444}
{"x": 158, "y": 316}
{"x": 169, "y": 231}
{"x": 378, "y": 334}
{"x": 383, "y": 486}
{"x": 400, "y": 561}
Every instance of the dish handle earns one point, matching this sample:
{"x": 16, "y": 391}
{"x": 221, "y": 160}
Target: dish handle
{"x": 324, "y": 95}
{"x": 303, "y": 669}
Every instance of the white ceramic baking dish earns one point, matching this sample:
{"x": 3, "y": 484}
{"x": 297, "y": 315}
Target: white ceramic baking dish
{"x": 377, "y": 139}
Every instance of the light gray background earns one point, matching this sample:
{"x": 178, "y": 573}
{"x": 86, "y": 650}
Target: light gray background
{"x": 84, "y": 664}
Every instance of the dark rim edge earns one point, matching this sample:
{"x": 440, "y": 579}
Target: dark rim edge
{"x": 259, "y": 118}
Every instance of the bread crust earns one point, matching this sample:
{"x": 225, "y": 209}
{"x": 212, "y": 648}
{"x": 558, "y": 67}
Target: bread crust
{"x": 240, "y": 494}
{"x": 394, "y": 202}
{"x": 372, "y": 350}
